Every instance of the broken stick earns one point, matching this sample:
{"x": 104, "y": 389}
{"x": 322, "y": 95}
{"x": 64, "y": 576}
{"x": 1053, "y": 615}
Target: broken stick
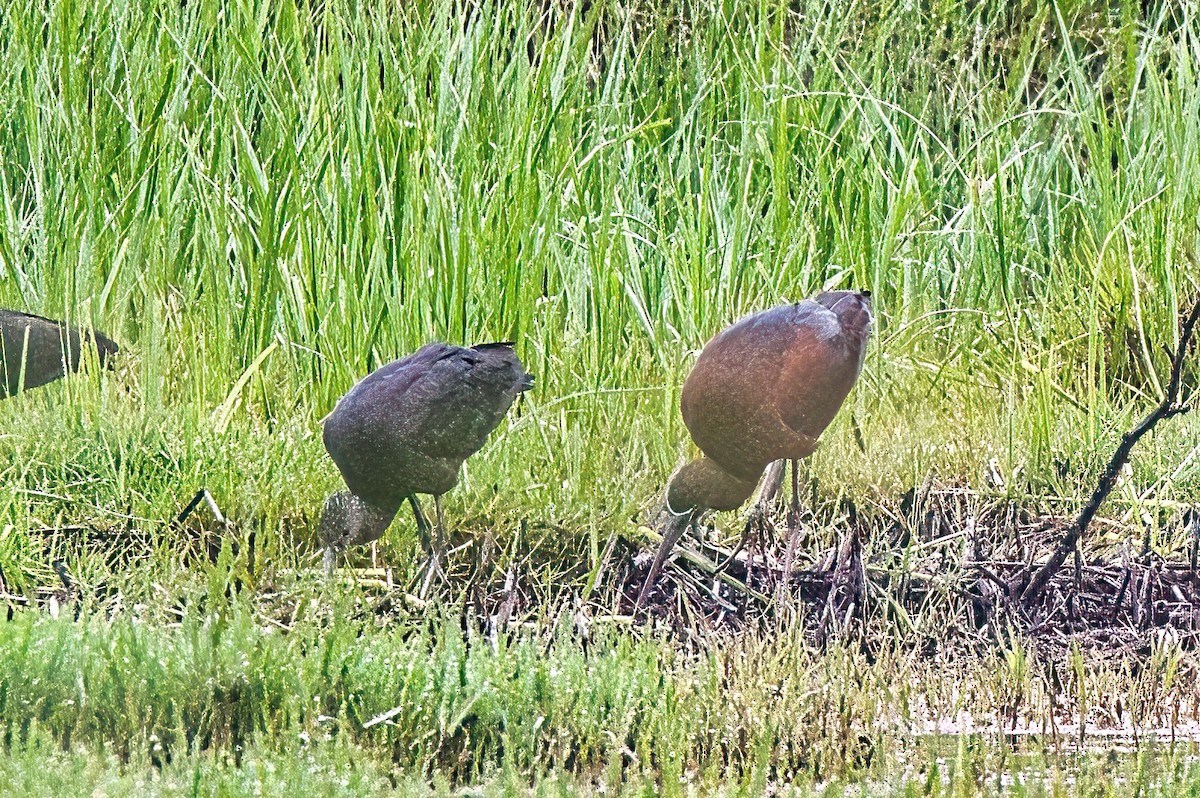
{"x": 1168, "y": 407}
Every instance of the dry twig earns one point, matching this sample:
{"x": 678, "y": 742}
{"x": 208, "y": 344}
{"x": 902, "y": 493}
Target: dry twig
{"x": 1031, "y": 589}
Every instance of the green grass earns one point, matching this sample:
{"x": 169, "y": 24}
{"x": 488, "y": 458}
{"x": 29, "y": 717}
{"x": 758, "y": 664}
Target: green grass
{"x": 937, "y": 768}
{"x": 220, "y": 689}
{"x": 263, "y": 201}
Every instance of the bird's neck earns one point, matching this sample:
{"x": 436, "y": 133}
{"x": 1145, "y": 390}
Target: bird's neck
{"x": 375, "y": 521}
{"x": 703, "y": 484}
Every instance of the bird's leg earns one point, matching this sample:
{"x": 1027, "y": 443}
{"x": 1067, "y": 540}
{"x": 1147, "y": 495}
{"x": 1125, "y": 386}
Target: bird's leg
{"x": 793, "y": 527}
{"x": 675, "y": 528}
{"x": 423, "y": 529}
{"x": 439, "y": 539}
{"x": 793, "y": 520}
{"x": 423, "y": 525}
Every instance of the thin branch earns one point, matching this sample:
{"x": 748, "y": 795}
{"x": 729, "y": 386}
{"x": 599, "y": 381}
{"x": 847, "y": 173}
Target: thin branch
{"x": 1168, "y": 407}
{"x": 204, "y": 496}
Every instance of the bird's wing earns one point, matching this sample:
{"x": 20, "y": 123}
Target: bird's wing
{"x": 454, "y": 406}
{"x": 816, "y": 374}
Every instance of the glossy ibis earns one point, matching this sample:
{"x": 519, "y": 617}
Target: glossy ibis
{"x": 35, "y": 350}
{"x": 762, "y": 390}
{"x": 405, "y": 429}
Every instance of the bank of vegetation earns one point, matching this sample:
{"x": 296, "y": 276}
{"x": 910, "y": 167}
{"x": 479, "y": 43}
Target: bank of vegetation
{"x": 263, "y": 201}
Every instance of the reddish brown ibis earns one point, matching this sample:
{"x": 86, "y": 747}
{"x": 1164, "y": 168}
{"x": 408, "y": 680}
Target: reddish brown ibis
{"x": 407, "y": 428}
{"x": 763, "y": 389}
{"x": 35, "y": 350}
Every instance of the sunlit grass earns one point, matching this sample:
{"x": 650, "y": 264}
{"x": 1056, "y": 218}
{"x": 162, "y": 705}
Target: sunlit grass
{"x": 263, "y": 201}
{"x": 222, "y": 698}
{"x": 295, "y": 196}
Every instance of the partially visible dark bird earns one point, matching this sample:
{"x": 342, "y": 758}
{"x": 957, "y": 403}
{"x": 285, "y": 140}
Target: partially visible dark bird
{"x": 405, "y": 429}
{"x": 763, "y": 389}
{"x": 35, "y": 350}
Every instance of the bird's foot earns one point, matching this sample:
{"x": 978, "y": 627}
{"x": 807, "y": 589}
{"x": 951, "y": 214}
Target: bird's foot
{"x": 758, "y": 526}
{"x": 430, "y": 569}
{"x": 795, "y": 531}
{"x": 795, "y": 524}
{"x": 433, "y": 569}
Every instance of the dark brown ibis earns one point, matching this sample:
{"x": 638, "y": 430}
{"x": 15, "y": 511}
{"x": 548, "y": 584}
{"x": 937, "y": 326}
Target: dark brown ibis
{"x": 405, "y": 429}
{"x": 36, "y": 350}
{"x": 762, "y": 390}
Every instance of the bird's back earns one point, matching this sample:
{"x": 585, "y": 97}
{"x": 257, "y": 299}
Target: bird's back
{"x": 36, "y": 350}
{"x": 408, "y": 426}
{"x": 766, "y": 387}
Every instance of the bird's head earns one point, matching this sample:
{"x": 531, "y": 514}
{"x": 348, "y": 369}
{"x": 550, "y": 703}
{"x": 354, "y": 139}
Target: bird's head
{"x": 348, "y": 520}
{"x": 853, "y": 310}
{"x": 703, "y": 485}
{"x": 106, "y": 348}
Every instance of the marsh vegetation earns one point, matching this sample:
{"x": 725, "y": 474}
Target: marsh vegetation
{"x": 264, "y": 201}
